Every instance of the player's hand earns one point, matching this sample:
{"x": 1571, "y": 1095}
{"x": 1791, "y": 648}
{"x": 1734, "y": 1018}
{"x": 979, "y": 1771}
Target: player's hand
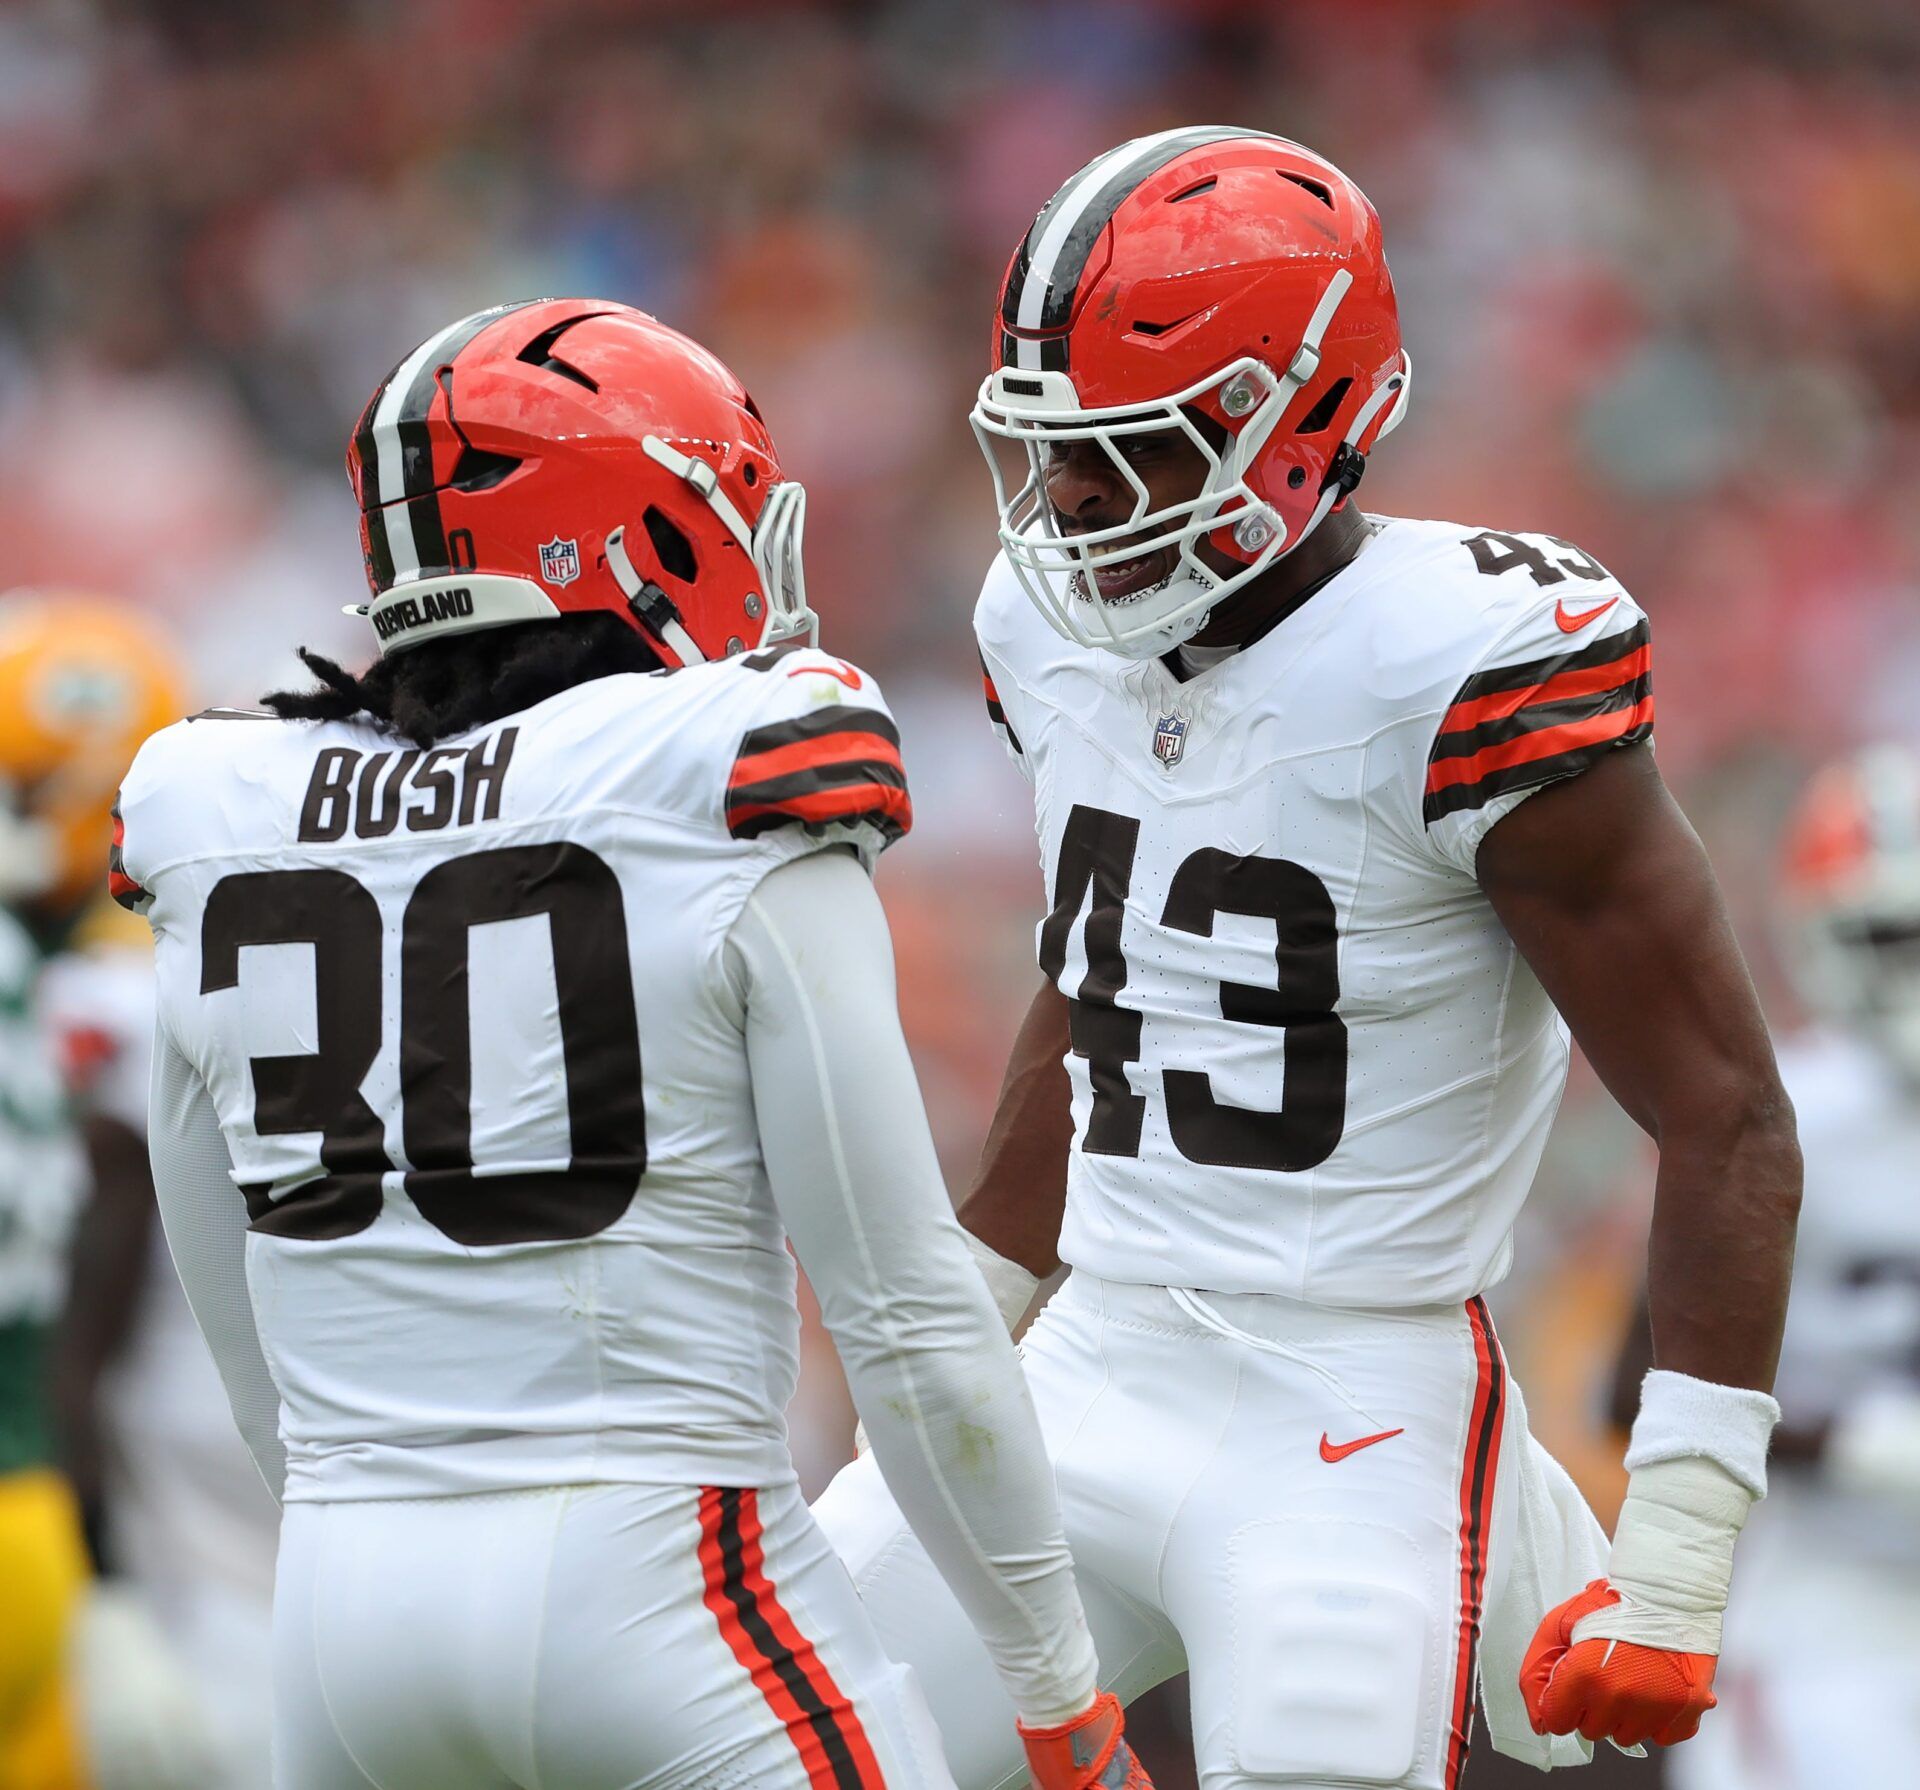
{"x": 142, "y": 1720}
{"x": 1089, "y": 1750}
{"x": 1608, "y": 1688}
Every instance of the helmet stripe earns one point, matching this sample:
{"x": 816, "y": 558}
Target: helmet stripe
{"x": 1045, "y": 280}
{"x": 397, "y": 449}
{"x": 379, "y": 552}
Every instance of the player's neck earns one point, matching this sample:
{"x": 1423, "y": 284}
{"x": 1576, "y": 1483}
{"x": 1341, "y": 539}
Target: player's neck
{"x": 1275, "y": 594}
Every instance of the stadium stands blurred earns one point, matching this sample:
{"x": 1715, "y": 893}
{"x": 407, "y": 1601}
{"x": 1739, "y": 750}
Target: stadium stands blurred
{"x": 1659, "y": 266}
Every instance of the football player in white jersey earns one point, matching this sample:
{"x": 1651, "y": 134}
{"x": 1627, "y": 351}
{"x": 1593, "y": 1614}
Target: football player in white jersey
{"x": 1338, "y": 816}
{"x": 519, "y": 999}
{"x": 1821, "y": 1679}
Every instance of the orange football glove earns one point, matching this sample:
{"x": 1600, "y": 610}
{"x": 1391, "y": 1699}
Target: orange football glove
{"x": 1611, "y": 1690}
{"x": 1090, "y": 1750}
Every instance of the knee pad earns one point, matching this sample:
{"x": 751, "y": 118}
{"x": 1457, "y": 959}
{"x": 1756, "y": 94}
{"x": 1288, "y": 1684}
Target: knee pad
{"x": 1333, "y": 1652}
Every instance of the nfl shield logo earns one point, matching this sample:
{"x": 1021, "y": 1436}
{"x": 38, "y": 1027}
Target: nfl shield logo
{"x": 1170, "y": 739}
{"x": 560, "y": 561}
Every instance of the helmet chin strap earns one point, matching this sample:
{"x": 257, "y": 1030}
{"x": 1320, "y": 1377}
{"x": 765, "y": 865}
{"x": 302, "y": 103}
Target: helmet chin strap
{"x": 1342, "y": 477}
{"x": 653, "y": 606}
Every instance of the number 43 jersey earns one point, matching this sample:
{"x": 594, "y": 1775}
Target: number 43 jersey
{"x": 466, "y": 1020}
{"x": 1306, "y": 1058}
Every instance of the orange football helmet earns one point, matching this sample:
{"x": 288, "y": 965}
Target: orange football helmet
{"x": 83, "y": 681}
{"x": 1208, "y": 272}
{"x": 560, "y": 455}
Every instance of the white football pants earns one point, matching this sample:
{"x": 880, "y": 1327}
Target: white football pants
{"x": 603, "y": 1637}
{"x": 1308, "y": 1517}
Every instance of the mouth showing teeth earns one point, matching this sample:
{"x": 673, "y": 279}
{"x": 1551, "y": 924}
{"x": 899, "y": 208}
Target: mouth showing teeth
{"x": 1121, "y": 579}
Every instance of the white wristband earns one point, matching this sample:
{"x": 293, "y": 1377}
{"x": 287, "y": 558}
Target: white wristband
{"x": 1011, "y": 1285}
{"x": 1698, "y": 1460}
{"x": 1682, "y": 1418}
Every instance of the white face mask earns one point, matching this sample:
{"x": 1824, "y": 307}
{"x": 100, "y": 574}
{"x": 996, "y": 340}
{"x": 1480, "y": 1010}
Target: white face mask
{"x": 1059, "y": 572}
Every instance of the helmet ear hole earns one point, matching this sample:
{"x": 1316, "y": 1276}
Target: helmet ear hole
{"x": 1316, "y": 420}
{"x": 670, "y": 546}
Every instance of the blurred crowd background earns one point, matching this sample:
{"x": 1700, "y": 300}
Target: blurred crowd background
{"x": 1659, "y": 267}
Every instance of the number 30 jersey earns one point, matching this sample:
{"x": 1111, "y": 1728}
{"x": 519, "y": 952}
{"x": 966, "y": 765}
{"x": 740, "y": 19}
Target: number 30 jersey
{"x": 465, "y": 1019}
{"x": 1306, "y": 1057}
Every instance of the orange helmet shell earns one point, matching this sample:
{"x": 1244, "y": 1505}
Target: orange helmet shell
{"x": 561, "y": 456}
{"x": 1198, "y": 249}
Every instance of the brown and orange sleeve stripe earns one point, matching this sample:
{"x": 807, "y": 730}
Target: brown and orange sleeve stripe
{"x": 838, "y": 764}
{"x": 996, "y": 712}
{"x": 1518, "y": 726}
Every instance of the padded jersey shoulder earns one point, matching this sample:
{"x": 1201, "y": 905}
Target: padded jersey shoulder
{"x": 1442, "y": 600}
{"x": 1516, "y": 659}
{"x": 1013, "y": 636}
{"x": 741, "y": 745}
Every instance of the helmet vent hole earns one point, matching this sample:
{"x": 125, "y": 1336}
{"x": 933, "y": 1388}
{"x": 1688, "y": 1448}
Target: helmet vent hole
{"x": 479, "y": 470}
{"x": 672, "y": 548}
{"x": 539, "y": 352}
{"x": 1312, "y": 186}
{"x": 750, "y": 473}
{"x": 1194, "y": 191}
{"x": 1317, "y": 419}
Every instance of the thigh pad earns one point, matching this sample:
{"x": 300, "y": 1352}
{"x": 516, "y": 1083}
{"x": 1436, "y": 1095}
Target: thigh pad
{"x": 1336, "y": 1664}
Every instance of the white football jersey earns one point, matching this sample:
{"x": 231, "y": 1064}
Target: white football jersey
{"x": 1307, "y": 1059}
{"x": 189, "y": 1511}
{"x": 1854, "y": 1319}
{"x": 464, "y": 1018}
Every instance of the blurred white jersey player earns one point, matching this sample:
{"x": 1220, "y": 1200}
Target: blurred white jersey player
{"x": 1310, "y": 1071}
{"x": 519, "y": 999}
{"x": 190, "y": 1523}
{"x": 165, "y": 1646}
{"x": 1820, "y": 1683}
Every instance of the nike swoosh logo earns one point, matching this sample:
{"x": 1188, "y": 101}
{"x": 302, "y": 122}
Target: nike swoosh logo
{"x": 845, "y": 673}
{"x": 1572, "y": 621}
{"x": 1338, "y": 1451}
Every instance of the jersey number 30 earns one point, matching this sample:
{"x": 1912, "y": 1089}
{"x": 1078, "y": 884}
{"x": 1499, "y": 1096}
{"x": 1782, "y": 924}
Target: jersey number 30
{"x": 321, "y": 1092}
{"x": 1096, "y": 860}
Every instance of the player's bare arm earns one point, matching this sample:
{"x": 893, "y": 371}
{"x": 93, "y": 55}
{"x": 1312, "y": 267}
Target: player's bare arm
{"x": 1020, "y": 1189}
{"x": 1606, "y": 890}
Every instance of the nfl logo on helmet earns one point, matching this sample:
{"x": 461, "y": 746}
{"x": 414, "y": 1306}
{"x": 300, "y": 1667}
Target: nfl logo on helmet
{"x": 560, "y": 561}
{"x": 1170, "y": 739}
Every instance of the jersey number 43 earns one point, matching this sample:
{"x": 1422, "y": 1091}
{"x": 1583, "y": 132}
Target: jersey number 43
{"x": 1097, "y": 853}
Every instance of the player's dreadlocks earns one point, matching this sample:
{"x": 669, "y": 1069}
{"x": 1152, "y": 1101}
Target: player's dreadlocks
{"x": 445, "y": 687}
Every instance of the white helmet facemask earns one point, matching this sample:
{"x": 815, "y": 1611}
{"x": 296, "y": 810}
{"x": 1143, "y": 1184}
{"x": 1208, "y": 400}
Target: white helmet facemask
{"x": 773, "y": 543}
{"x": 1041, "y": 411}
